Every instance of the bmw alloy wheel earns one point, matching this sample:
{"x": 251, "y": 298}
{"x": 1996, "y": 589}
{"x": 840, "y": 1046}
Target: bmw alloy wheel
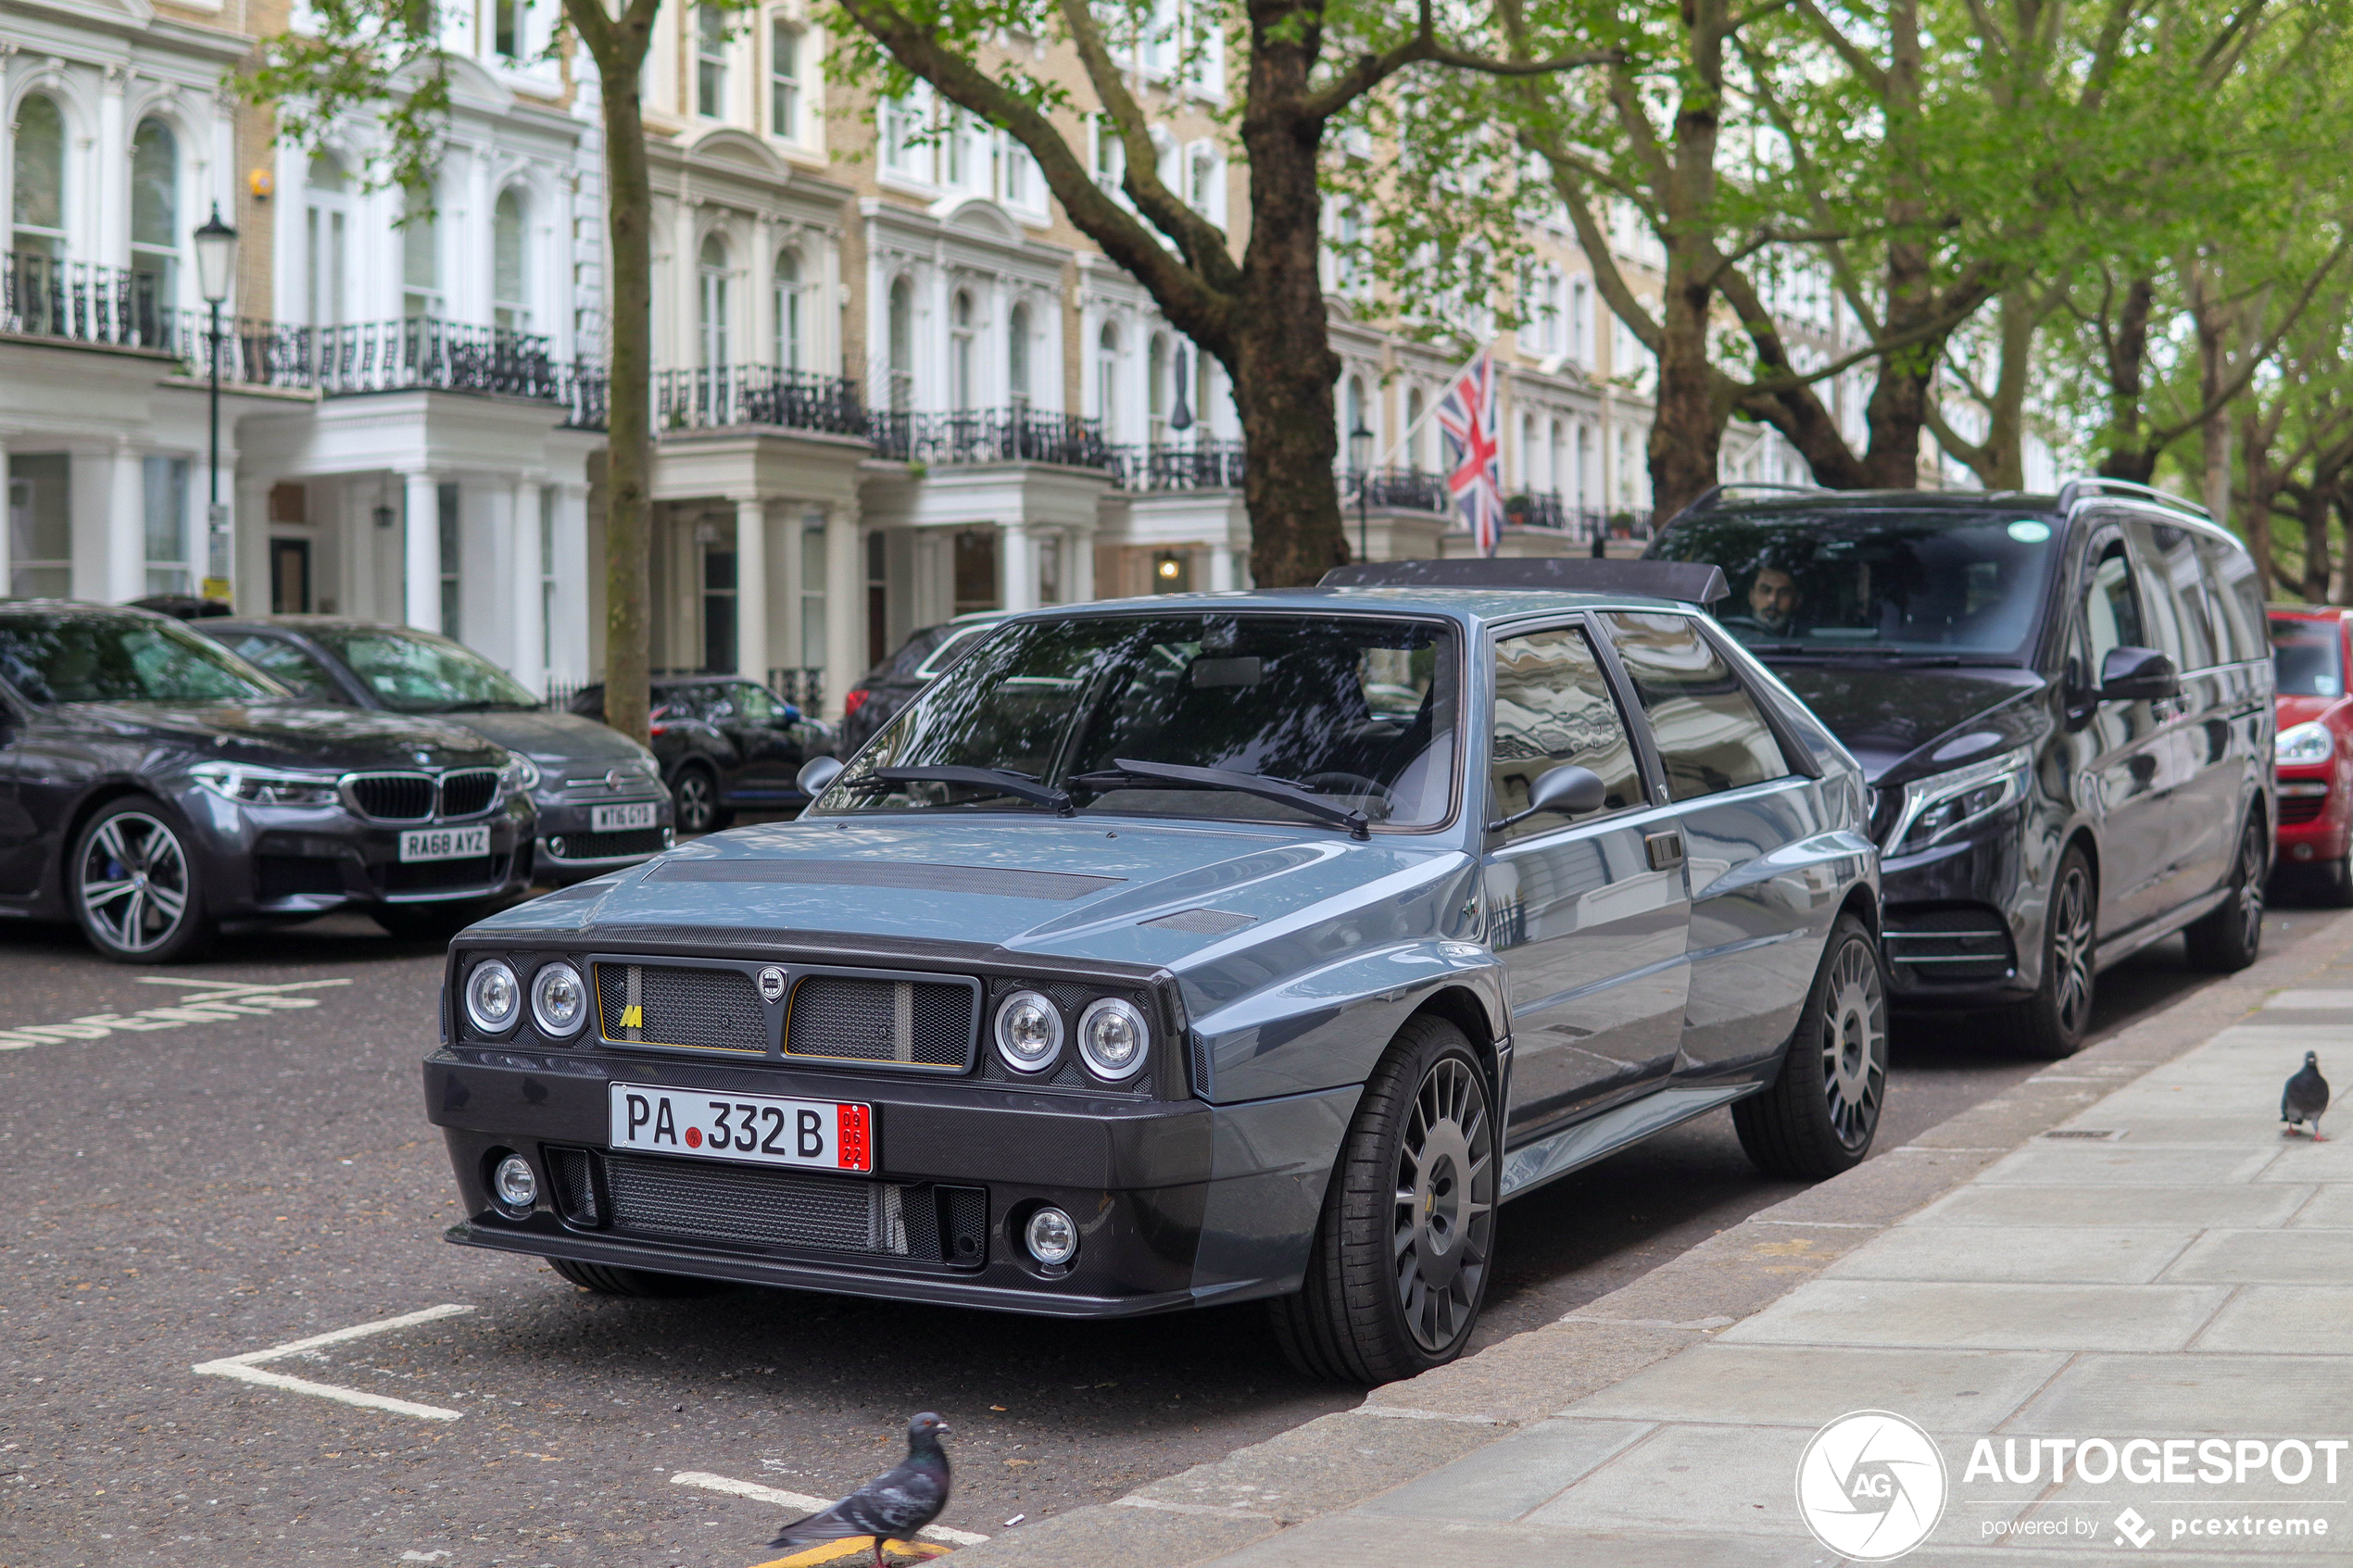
{"x": 133, "y": 882}
{"x": 1445, "y": 1204}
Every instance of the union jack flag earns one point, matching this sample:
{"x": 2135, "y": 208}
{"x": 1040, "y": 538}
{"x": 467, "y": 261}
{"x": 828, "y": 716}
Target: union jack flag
{"x": 1474, "y": 429}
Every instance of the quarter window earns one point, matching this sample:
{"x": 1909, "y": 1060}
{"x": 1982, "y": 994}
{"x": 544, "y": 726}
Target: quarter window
{"x": 2111, "y": 612}
{"x": 1711, "y": 735}
{"x": 1553, "y": 708}
{"x": 2178, "y": 598}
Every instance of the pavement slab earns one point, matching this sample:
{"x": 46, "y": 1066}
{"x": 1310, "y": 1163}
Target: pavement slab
{"x": 2108, "y": 1254}
{"x": 2062, "y": 1207}
{"x": 1805, "y": 1385}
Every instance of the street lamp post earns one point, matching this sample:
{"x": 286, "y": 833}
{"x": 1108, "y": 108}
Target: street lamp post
{"x": 216, "y": 264}
{"x": 1360, "y": 457}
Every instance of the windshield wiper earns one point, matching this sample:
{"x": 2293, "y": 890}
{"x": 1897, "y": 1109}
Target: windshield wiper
{"x": 1021, "y": 786}
{"x": 1125, "y": 774}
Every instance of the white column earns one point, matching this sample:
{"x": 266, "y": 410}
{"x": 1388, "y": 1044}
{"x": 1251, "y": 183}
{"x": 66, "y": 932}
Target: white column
{"x": 109, "y": 228}
{"x": 570, "y": 642}
{"x": 1079, "y": 566}
{"x": 845, "y": 604}
{"x": 752, "y": 589}
{"x": 1017, "y": 559}
{"x": 7, "y": 572}
{"x": 1221, "y": 571}
{"x": 790, "y": 583}
{"x": 249, "y": 506}
{"x": 125, "y": 572}
{"x": 523, "y": 558}
{"x": 422, "y": 553}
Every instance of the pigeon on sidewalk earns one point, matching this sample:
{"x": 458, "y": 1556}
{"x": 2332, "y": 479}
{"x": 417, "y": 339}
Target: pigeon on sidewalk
{"x": 892, "y": 1507}
{"x": 2306, "y": 1099}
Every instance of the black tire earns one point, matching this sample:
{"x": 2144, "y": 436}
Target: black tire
{"x": 2051, "y": 1022}
{"x": 134, "y": 884}
{"x": 1394, "y": 1288}
{"x": 2232, "y": 938}
{"x": 695, "y": 795}
{"x": 644, "y": 1283}
{"x": 1823, "y": 1110}
{"x": 431, "y": 923}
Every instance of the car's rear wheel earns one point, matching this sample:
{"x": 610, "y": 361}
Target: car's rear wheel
{"x": 696, "y": 795}
{"x": 607, "y": 1280}
{"x": 1822, "y": 1111}
{"x": 2051, "y": 1022}
{"x": 1400, "y": 1263}
{"x": 434, "y": 922}
{"x": 2232, "y": 938}
{"x": 134, "y": 884}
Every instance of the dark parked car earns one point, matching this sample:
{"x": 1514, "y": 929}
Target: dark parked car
{"x": 892, "y": 684}
{"x": 2063, "y": 703}
{"x": 600, "y": 795}
{"x": 724, "y": 746}
{"x": 2314, "y": 750}
{"x": 1197, "y": 950}
{"x": 154, "y": 787}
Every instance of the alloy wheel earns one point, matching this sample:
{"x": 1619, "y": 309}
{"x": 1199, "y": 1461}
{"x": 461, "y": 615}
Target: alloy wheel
{"x": 1445, "y": 1204}
{"x": 2250, "y": 884}
{"x": 133, "y": 882}
{"x": 2072, "y": 949}
{"x": 1855, "y": 1045}
{"x": 693, "y": 798}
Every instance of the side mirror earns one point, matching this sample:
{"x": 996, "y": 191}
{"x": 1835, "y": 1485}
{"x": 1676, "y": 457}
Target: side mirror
{"x": 1570, "y": 790}
{"x": 2137, "y": 675}
{"x": 817, "y": 775}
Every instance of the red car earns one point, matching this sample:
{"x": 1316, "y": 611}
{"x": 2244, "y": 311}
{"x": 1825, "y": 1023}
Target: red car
{"x": 2315, "y": 744}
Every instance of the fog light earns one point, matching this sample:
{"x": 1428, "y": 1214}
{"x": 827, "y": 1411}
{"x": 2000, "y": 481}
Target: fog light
{"x": 556, "y": 846}
{"x": 516, "y": 1187}
{"x": 2302, "y": 851}
{"x": 1053, "y": 1240}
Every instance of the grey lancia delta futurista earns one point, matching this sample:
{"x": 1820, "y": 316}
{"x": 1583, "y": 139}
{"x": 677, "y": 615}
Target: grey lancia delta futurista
{"x": 1197, "y": 949}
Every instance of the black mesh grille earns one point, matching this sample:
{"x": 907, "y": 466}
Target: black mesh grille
{"x": 575, "y": 1190}
{"x": 463, "y": 794}
{"x": 287, "y": 876}
{"x": 746, "y": 1206}
{"x": 394, "y": 797}
{"x": 602, "y": 845}
{"x": 426, "y": 876}
{"x": 920, "y": 1023}
{"x": 2299, "y": 808}
{"x": 966, "y": 1212}
{"x": 703, "y": 1008}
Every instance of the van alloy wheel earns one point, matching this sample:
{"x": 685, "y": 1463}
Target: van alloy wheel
{"x": 2072, "y": 948}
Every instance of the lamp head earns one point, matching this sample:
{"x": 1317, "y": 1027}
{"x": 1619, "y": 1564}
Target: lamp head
{"x": 216, "y": 259}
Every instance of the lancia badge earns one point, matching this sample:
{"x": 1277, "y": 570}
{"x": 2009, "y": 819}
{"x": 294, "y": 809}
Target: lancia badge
{"x": 771, "y": 985}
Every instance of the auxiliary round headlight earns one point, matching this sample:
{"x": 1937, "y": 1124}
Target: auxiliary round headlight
{"x": 1029, "y": 1032}
{"x": 1052, "y": 1239}
{"x": 1111, "y": 1037}
{"x": 559, "y": 1001}
{"x": 513, "y": 1184}
{"x": 492, "y": 997}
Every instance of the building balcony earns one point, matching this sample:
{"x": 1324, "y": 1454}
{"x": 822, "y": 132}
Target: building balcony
{"x": 1205, "y": 464}
{"x": 993, "y": 435}
{"x": 729, "y": 396}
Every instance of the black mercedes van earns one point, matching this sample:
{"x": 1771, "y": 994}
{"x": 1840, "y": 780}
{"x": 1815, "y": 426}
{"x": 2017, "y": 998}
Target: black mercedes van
{"x": 2063, "y": 704}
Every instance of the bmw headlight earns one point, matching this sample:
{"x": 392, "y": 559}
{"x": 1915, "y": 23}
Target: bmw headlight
{"x": 1942, "y": 803}
{"x": 519, "y": 773}
{"x": 261, "y": 786}
{"x": 1029, "y": 1032}
{"x": 1113, "y": 1036}
{"x": 2303, "y": 744}
{"x": 493, "y": 997}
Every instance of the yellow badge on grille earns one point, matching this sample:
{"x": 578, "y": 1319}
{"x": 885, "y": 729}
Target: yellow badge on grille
{"x": 633, "y": 1018}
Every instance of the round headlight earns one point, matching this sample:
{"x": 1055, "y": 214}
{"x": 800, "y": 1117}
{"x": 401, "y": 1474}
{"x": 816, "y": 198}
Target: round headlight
{"x": 2303, "y": 744}
{"x": 1029, "y": 1032}
{"x": 1111, "y": 1037}
{"x": 1052, "y": 1239}
{"x": 559, "y": 1001}
{"x": 513, "y": 1184}
{"x": 492, "y": 997}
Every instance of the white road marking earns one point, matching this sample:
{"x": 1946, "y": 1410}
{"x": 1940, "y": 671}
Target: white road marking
{"x": 2313, "y": 1000}
{"x": 208, "y": 1002}
{"x": 798, "y": 1503}
{"x": 247, "y": 1367}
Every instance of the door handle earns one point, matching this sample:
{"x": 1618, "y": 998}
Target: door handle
{"x": 1665, "y": 849}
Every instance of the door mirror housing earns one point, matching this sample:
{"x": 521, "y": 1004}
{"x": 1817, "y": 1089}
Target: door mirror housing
{"x": 2137, "y": 675}
{"x": 1570, "y": 790}
{"x": 817, "y": 775}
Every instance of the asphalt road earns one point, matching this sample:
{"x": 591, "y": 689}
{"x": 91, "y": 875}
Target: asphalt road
{"x": 254, "y": 1169}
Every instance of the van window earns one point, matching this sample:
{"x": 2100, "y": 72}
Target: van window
{"x": 2175, "y": 581}
{"x": 2111, "y": 612}
{"x": 1711, "y": 734}
{"x": 2235, "y": 588}
{"x": 1554, "y": 706}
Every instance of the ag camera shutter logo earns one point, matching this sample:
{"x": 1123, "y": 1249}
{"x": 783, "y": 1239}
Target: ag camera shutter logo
{"x": 1871, "y": 1486}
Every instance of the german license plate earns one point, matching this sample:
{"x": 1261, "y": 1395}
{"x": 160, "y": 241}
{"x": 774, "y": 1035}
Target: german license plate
{"x": 616, "y": 818}
{"x": 445, "y": 844}
{"x": 759, "y": 1129}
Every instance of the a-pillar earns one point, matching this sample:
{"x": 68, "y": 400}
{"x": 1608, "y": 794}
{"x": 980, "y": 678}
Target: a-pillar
{"x": 126, "y": 557}
{"x": 1017, "y": 558}
{"x": 752, "y": 589}
{"x": 527, "y": 652}
{"x": 845, "y": 605}
{"x": 421, "y": 560}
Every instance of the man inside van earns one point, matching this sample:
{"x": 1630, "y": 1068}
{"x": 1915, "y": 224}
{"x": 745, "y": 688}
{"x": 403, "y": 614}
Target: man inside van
{"x": 1774, "y": 599}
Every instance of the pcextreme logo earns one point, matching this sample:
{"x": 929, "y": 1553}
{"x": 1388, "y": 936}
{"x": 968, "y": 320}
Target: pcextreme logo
{"x": 1871, "y": 1486}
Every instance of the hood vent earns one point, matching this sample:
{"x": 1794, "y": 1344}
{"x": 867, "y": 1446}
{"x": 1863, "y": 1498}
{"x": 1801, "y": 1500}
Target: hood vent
{"x": 1058, "y": 886}
{"x": 1201, "y": 922}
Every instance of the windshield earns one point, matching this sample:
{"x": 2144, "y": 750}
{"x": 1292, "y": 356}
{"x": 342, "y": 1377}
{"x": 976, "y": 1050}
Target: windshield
{"x": 2307, "y": 657}
{"x": 1359, "y": 711}
{"x": 91, "y": 659}
{"x": 417, "y": 672}
{"x": 1939, "y": 584}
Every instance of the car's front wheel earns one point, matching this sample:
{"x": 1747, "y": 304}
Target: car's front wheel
{"x": 134, "y": 884}
{"x": 1822, "y": 1111}
{"x": 606, "y": 1279}
{"x": 1401, "y": 1256}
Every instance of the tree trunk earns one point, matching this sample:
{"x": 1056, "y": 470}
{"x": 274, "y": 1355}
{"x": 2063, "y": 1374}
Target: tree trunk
{"x": 629, "y": 441}
{"x": 2213, "y": 325}
{"x": 1687, "y": 424}
{"x": 2006, "y": 427}
{"x": 2312, "y": 508}
{"x": 1898, "y": 409}
{"x": 2254, "y": 513}
{"x": 2128, "y": 455}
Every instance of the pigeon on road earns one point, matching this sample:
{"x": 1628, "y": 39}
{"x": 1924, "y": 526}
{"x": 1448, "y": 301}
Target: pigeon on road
{"x": 892, "y": 1506}
{"x": 2306, "y": 1097}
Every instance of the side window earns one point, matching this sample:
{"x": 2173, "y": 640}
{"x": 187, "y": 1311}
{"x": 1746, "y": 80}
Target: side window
{"x": 2235, "y": 588}
{"x": 754, "y": 703}
{"x": 2177, "y": 592}
{"x": 1711, "y": 735}
{"x": 288, "y": 665}
{"x": 2111, "y": 612}
{"x": 1552, "y": 706}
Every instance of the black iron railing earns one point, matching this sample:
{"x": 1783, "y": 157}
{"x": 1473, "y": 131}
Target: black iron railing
{"x": 803, "y": 687}
{"x": 41, "y": 297}
{"x": 582, "y": 389}
{"x": 424, "y": 352}
{"x": 757, "y": 395}
{"x": 992, "y": 435}
{"x": 1199, "y": 464}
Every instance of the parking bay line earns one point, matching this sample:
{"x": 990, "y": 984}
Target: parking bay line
{"x": 208, "y": 1002}
{"x": 247, "y": 1368}
{"x": 798, "y": 1503}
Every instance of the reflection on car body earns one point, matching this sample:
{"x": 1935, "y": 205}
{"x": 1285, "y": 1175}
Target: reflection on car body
{"x": 1204, "y": 950}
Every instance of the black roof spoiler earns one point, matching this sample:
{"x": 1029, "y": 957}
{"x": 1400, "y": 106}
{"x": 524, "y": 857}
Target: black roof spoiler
{"x": 1691, "y": 582}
